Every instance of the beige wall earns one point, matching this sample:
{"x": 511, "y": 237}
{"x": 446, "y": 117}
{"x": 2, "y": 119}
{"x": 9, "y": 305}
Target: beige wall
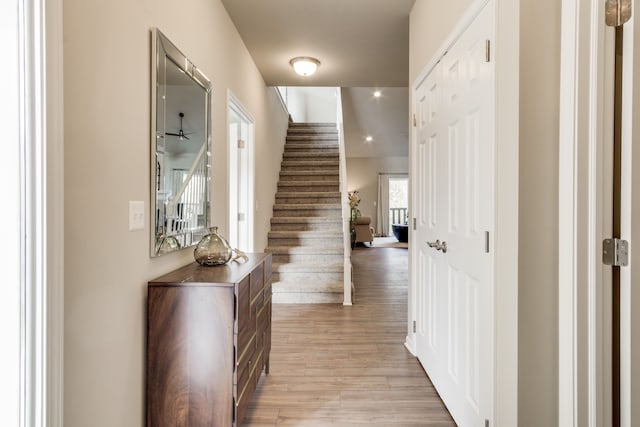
{"x": 538, "y": 243}
{"x": 362, "y": 175}
{"x": 431, "y": 23}
{"x": 312, "y": 104}
{"x": 107, "y": 110}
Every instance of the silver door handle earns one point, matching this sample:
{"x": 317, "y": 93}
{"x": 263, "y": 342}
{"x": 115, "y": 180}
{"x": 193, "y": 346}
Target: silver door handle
{"x": 438, "y": 246}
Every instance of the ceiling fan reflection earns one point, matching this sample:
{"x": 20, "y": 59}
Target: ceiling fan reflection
{"x": 181, "y": 134}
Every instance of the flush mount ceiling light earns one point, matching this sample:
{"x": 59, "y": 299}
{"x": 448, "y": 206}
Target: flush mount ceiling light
{"x": 377, "y": 94}
{"x": 369, "y": 138}
{"x": 304, "y": 65}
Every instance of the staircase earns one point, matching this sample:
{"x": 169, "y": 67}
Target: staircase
{"x": 306, "y": 238}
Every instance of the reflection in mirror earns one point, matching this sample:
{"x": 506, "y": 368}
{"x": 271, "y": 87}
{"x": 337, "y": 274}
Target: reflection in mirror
{"x": 180, "y": 152}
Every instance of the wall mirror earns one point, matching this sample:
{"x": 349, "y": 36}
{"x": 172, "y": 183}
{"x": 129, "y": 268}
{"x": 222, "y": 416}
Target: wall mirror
{"x": 180, "y": 149}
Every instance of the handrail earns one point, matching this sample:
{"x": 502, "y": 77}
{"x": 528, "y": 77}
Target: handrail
{"x": 346, "y": 212}
{"x": 173, "y": 200}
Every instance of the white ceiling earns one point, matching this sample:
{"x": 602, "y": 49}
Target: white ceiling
{"x": 361, "y": 44}
{"x": 385, "y": 119}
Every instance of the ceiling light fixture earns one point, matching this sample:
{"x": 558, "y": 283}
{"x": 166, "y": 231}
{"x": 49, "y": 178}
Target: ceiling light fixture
{"x": 304, "y": 65}
{"x": 369, "y": 138}
{"x": 377, "y": 94}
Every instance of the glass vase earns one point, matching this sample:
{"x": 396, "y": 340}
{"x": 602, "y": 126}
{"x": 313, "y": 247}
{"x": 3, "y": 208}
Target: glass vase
{"x": 212, "y": 249}
{"x": 166, "y": 244}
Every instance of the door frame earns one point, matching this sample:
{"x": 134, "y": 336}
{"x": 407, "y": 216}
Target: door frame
{"x": 585, "y": 191}
{"x": 506, "y": 51}
{"x": 234, "y": 102}
{"x": 630, "y": 275}
{"x": 42, "y": 252}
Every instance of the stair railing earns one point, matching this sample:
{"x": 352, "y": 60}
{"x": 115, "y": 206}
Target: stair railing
{"x": 346, "y": 211}
{"x": 186, "y": 204}
{"x": 398, "y": 215}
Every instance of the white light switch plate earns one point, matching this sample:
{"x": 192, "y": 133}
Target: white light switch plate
{"x": 136, "y": 215}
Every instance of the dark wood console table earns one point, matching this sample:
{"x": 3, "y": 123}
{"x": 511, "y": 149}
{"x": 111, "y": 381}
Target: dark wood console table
{"x": 208, "y": 341}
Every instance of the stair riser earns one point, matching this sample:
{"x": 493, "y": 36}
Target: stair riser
{"x": 306, "y": 227}
{"x": 292, "y": 176}
{"x": 311, "y": 160}
{"x": 308, "y": 276}
{"x": 306, "y": 242}
{"x": 308, "y": 188}
{"x": 305, "y": 200}
{"x": 292, "y": 258}
{"x": 333, "y": 169}
{"x": 302, "y": 156}
{"x": 328, "y": 213}
{"x": 311, "y": 142}
{"x": 312, "y": 139}
{"x": 306, "y": 162}
{"x": 314, "y": 212}
{"x": 322, "y": 133}
{"x": 313, "y": 131}
{"x": 297, "y": 148}
{"x": 305, "y": 128}
{"x": 312, "y": 125}
{"x": 321, "y": 146}
{"x": 310, "y": 153}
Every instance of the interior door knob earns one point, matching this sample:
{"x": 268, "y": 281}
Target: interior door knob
{"x": 438, "y": 246}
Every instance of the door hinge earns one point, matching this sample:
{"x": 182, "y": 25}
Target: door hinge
{"x": 415, "y": 121}
{"x": 414, "y": 223}
{"x": 615, "y": 252}
{"x": 241, "y": 144}
{"x": 414, "y": 327}
{"x": 487, "y": 50}
{"x": 486, "y": 423}
{"x": 486, "y": 242}
{"x": 617, "y": 12}
{"x": 241, "y": 216}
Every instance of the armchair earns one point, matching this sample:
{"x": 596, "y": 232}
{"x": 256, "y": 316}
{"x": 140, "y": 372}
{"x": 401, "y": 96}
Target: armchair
{"x": 363, "y": 228}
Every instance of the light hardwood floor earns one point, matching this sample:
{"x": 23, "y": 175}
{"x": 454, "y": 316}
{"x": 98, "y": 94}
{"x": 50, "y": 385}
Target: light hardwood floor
{"x": 342, "y": 366}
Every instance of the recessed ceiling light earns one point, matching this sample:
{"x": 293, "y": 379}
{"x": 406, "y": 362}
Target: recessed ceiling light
{"x": 304, "y": 65}
{"x": 377, "y": 94}
{"x": 369, "y": 139}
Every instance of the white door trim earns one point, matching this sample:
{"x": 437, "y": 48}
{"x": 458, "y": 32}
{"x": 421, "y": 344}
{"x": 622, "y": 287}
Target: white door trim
{"x": 42, "y": 251}
{"x": 584, "y": 298}
{"x": 234, "y": 102}
{"x": 505, "y": 240}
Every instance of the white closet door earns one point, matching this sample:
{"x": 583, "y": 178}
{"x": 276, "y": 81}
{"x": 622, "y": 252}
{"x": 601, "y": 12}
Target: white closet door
{"x": 454, "y": 201}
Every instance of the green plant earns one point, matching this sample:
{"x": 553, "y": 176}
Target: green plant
{"x": 354, "y": 201}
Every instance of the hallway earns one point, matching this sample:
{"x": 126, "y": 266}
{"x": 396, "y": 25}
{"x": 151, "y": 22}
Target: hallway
{"x": 342, "y": 366}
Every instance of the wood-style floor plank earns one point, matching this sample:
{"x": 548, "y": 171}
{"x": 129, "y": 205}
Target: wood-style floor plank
{"x": 347, "y": 366}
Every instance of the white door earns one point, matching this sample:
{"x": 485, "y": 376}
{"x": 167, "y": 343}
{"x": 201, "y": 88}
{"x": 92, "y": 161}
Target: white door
{"x": 453, "y": 202}
{"x": 240, "y": 178}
